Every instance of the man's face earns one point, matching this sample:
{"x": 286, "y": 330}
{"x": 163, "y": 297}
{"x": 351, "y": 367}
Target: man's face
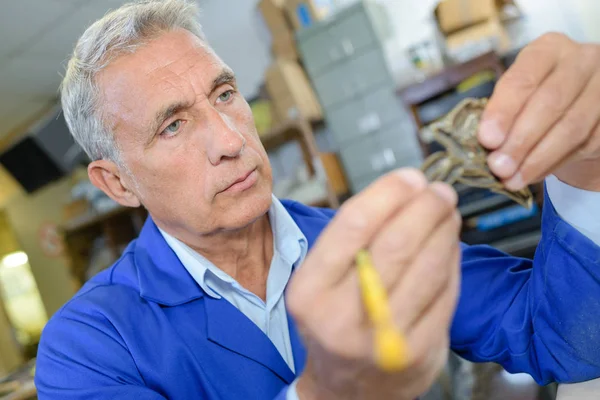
{"x": 186, "y": 135}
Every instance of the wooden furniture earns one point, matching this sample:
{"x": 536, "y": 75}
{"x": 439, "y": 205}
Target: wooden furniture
{"x": 301, "y": 131}
{"x": 19, "y": 384}
{"x": 415, "y": 95}
{"x": 118, "y": 226}
{"x": 25, "y": 391}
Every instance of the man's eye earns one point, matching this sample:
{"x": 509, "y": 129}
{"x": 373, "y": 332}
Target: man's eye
{"x": 173, "y": 128}
{"x": 225, "y": 96}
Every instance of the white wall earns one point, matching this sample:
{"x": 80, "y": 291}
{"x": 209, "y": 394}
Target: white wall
{"x": 588, "y": 14}
{"x": 237, "y": 32}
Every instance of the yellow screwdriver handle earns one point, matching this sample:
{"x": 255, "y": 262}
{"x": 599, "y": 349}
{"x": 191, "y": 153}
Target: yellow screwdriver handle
{"x": 391, "y": 350}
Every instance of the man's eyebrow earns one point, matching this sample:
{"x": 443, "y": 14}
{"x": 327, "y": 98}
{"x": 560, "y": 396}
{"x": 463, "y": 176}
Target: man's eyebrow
{"x": 226, "y": 76}
{"x": 166, "y": 113}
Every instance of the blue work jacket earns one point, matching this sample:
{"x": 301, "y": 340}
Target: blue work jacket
{"x": 144, "y": 329}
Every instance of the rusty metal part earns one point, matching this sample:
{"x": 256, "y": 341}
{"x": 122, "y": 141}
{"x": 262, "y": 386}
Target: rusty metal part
{"x": 465, "y": 159}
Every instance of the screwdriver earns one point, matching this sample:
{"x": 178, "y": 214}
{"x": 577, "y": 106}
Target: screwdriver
{"x": 390, "y": 346}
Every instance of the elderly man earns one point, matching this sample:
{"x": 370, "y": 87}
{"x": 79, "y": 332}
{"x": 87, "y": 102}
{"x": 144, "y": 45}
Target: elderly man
{"x": 229, "y": 293}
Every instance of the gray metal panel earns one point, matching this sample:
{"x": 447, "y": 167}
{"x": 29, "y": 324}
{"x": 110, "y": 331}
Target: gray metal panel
{"x": 401, "y": 140}
{"x": 363, "y": 157}
{"x": 354, "y": 33}
{"x": 320, "y": 51}
{"x": 358, "y": 185}
{"x": 345, "y": 121}
{"x": 369, "y": 69}
{"x": 389, "y": 148}
{"x": 334, "y": 86}
{"x": 384, "y": 102}
{"x": 379, "y": 19}
{"x": 366, "y": 115}
{"x": 352, "y": 79}
{"x": 337, "y": 38}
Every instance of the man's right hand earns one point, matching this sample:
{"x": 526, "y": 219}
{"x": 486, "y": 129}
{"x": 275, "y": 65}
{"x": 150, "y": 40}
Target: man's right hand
{"x": 411, "y": 230}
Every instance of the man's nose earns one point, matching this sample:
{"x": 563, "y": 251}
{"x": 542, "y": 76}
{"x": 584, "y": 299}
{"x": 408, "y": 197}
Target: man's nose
{"x": 224, "y": 139}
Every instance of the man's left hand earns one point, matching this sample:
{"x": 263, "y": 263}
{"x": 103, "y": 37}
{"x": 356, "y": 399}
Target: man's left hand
{"x": 544, "y": 115}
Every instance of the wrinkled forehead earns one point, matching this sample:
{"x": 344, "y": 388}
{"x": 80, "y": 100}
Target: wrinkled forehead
{"x": 175, "y": 66}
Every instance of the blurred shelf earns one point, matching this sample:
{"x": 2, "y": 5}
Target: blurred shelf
{"x": 26, "y": 391}
{"x": 500, "y": 231}
{"x": 449, "y": 78}
{"x": 301, "y": 131}
{"x": 520, "y": 245}
{"x": 489, "y": 204}
{"x": 117, "y": 225}
{"x": 19, "y": 384}
{"x": 286, "y": 132}
{"x": 92, "y": 218}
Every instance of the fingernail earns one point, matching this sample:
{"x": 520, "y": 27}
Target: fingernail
{"x": 490, "y": 134}
{"x": 445, "y": 191}
{"x": 502, "y": 164}
{"x": 412, "y": 177}
{"x": 515, "y": 183}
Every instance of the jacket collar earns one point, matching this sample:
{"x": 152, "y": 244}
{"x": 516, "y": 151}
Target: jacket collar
{"x": 162, "y": 278}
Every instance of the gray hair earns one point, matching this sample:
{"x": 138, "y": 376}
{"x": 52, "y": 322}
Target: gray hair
{"x": 119, "y": 32}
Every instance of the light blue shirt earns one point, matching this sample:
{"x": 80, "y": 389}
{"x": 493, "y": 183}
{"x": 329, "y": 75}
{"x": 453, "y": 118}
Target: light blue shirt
{"x": 575, "y": 206}
{"x": 290, "y": 247}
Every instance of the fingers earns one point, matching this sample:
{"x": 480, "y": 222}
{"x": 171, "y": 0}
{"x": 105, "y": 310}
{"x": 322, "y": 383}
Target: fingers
{"x": 567, "y": 136}
{"x": 591, "y": 148}
{"x": 581, "y": 170}
{"x": 516, "y": 86}
{"x": 355, "y": 224}
{"x": 428, "y": 275}
{"x": 433, "y": 326}
{"x": 545, "y": 107}
{"x": 338, "y": 324}
{"x": 402, "y": 239}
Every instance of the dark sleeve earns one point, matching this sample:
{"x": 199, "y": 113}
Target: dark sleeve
{"x": 86, "y": 359}
{"x": 541, "y": 317}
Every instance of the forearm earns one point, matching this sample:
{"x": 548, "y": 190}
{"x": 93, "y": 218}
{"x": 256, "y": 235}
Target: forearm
{"x": 537, "y": 317}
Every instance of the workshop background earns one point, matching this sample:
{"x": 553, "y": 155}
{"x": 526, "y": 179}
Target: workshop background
{"x": 342, "y": 92}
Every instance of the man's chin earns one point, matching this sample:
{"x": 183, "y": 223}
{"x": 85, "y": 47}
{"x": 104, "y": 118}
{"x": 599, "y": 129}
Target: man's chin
{"x": 247, "y": 207}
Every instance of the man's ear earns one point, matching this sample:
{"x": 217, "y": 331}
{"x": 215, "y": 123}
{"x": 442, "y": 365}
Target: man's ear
{"x": 105, "y": 175}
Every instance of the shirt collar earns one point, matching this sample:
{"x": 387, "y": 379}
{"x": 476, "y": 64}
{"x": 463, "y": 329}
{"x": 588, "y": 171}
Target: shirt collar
{"x": 288, "y": 241}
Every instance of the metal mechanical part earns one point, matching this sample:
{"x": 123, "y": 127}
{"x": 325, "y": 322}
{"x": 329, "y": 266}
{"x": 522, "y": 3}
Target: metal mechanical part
{"x": 465, "y": 159}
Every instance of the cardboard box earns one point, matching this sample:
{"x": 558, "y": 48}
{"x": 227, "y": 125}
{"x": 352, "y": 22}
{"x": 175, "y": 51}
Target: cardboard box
{"x": 274, "y": 15}
{"x": 453, "y": 15}
{"x": 477, "y": 39}
{"x": 290, "y": 91}
{"x": 489, "y": 30}
{"x": 284, "y": 46}
{"x": 304, "y": 13}
{"x": 282, "y": 34}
